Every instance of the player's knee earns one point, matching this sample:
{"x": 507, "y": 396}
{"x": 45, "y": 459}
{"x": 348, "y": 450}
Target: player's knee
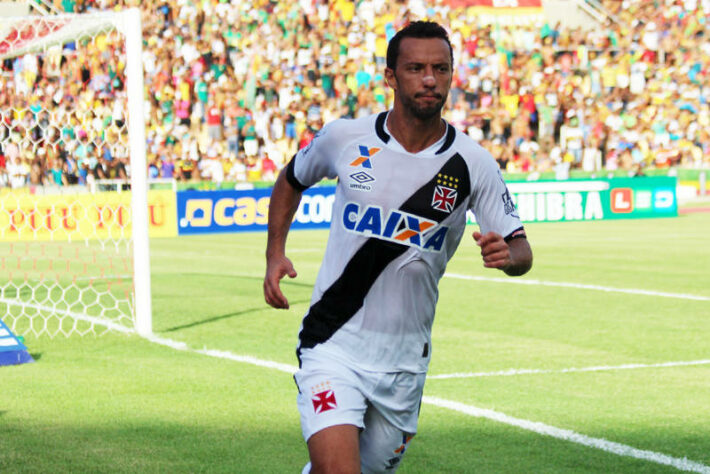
{"x": 384, "y": 456}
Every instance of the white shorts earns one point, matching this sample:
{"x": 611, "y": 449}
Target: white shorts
{"x": 385, "y": 405}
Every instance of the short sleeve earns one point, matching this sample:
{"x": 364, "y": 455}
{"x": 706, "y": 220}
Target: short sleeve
{"x": 316, "y": 160}
{"x": 492, "y": 204}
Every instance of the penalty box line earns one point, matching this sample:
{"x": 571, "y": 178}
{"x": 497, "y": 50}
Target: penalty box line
{"x": 683, "y": 464}
{"x": 579, "y": 286}
{"x": 602, "y": 444}
{"x": 600, "y": 368}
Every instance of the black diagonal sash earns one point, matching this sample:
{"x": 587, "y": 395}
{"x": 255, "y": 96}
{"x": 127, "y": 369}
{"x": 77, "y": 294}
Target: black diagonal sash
{"x": 346, "y": 295}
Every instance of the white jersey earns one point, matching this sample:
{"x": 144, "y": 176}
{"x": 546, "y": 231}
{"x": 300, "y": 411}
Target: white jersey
{"x": 397, "y": 219}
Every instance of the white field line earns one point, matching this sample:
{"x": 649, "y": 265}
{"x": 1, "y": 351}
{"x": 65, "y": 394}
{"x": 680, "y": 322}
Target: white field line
{"x": 618, "y": 449}
{"x": 102, "y": 277}
{"x": 181, "y": 346}
{"x": 683, "y": 464}
{"x": 99, "y": 278}
{"x": 290, "y": 369}
{"x": 579, "y": 286}
{"x": 599, "y": 368}
{"x": 64, "y": 312}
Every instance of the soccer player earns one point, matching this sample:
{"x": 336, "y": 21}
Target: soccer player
{"x": 405, "y": 181}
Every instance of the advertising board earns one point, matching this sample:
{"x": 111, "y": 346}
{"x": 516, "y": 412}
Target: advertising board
{"x": 201, "y": 212}
{"x": 205, "y": 212}
{"x": 25, "y": 216}
{"x": 595, "y": 199}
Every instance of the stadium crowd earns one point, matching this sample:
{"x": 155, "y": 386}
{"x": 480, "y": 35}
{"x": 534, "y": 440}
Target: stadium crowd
{"x": 235, "y": 88}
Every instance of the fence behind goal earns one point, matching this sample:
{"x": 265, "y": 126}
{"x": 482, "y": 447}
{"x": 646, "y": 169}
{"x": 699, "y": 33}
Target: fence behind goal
{"x": 73, "y": 261}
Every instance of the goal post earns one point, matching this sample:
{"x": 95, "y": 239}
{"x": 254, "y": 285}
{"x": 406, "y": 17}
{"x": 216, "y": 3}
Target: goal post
{"x": 139, "y": 180}
{"x": 74, "y": 261}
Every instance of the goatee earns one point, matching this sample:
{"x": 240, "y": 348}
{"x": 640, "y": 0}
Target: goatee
{"x": 425, "y": 112}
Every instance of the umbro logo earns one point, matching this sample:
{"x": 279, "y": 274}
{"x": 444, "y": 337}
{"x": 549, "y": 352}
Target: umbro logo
{"x": 361, "y": 179}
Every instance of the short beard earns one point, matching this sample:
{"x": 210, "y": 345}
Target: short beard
{"x": 424, "y": 113}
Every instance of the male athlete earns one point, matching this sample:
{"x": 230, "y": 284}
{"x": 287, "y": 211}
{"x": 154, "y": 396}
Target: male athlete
{"x": 405, "y": 181}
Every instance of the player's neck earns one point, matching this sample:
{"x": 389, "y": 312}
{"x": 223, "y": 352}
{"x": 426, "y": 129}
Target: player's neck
{"x": 412, "y": 133}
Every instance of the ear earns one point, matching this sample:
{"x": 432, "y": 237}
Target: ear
{"x": 391, "y": 78}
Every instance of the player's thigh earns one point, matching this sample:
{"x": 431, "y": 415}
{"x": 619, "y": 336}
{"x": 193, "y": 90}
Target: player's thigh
{"x": 332, "y": 409}
{"x": 335, "y": 450}
{"x": 328, "y": 395}
{"x": 382, "y": 445}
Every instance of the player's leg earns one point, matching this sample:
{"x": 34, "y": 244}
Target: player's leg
{"x": 382, "y": 445}
{"x": 335, "y": 450}
{"x": 332, "y": 409}
{"x": 390, "y": 421}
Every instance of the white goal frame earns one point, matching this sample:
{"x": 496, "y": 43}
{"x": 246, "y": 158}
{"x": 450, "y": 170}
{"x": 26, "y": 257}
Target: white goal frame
{"x": 133, "y": 32}
{"x": 128, "y": 23}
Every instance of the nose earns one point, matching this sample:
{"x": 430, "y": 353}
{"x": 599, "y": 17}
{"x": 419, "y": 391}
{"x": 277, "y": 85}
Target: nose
{"x": 428, "y": 78}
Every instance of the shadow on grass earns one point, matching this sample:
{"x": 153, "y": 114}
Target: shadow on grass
{"x": 448, "y": 444}
{"x": 36, "y": 355}
{"x": 227, "y": 285}
{"x": 283, "y": 282}
{"x": 224, "y": 316}
{"x": 259, "y": 279}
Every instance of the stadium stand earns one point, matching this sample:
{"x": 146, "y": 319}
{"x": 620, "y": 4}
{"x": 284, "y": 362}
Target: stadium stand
{"x": 235, "y": 88}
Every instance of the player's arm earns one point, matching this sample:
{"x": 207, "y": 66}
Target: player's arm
{"x": 283, "y": 206}
{"x": 308, "y": 166}
{"x": 502, "y": 237}
{"x": 514, "y": 257}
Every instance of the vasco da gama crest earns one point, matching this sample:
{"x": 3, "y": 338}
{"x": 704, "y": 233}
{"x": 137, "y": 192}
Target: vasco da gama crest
{"x": 445, "y": 193}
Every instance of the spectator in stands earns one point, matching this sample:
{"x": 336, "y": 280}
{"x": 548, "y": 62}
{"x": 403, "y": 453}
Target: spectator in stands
{"x": 56, "y": 172}
{"x": 635, "y": 85}
{"x": 4, "y": 179}
{"x": 18, "y": 172}
{"x": 249, "y": 139}
{"x": 268, "y": 168}
{"x": 167, "y": 167}
{"x": 214, "y": 120}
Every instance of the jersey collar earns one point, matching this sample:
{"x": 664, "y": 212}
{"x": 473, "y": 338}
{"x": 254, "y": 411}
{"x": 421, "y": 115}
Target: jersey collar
{"x": 385, "y": 137}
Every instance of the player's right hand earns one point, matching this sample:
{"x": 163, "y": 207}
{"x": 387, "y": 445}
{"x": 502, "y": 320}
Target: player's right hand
{"x": 276, "y": 269}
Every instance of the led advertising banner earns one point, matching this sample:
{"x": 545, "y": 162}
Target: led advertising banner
{"x": 204, "y": 212}
{"x": 585, "y": 200}
{"x": 201, "y": 212}
{"x": 61, "y": 217}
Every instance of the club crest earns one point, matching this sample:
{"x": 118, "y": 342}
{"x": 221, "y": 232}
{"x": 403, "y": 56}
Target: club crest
{"x": 323, "y": 398}
{"x": 445, "y": 193}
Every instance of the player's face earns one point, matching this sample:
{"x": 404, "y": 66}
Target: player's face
{"x": 422, "y": 76}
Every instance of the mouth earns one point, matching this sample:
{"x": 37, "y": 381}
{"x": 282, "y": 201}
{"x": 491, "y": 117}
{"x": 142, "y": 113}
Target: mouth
{"x": 428, "y": 96}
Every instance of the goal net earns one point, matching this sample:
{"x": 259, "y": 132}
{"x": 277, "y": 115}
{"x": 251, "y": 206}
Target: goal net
{"x": 71, "y": 98}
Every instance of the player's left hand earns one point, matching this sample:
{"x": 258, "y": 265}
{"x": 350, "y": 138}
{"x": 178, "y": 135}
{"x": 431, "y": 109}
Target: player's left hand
{"x": 494, "y": 249}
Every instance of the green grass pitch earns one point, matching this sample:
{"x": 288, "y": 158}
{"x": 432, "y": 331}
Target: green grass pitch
{"x": 552, "y": 351}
